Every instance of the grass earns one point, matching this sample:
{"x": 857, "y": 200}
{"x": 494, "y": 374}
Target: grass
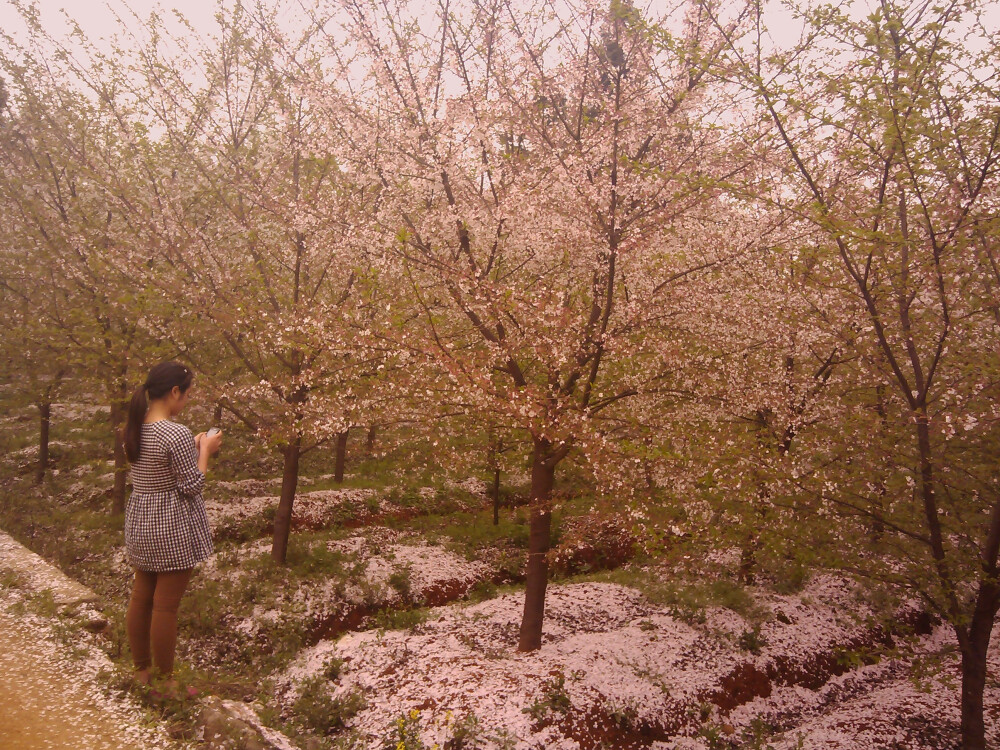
{"x": 11, "y": 578}
{"x": 470, "y": 531}
{"x": 400, "y": 619}
{"x": 686, "y": 600}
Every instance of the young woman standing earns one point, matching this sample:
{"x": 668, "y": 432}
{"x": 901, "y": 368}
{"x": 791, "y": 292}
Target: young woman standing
{"x": 166, "y": 527}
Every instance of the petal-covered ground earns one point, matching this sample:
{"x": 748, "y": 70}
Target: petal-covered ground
{"x": 616, "y": 671}
{"x": 50, "y": 699}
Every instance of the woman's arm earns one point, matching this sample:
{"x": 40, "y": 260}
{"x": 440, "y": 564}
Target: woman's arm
{"x": 188, "y": 464}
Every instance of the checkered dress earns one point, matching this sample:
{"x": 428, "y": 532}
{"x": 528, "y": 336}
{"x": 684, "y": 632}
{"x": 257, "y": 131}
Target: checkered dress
{"x": 166, "y": 527}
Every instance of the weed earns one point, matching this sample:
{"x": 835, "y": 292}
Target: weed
{"x": 755, "y": 736}
{"x": 399, "y": 619}
{"x": 315, "y": 561}
{"x": 323, "y": 712}
{"x": 482, "y": 591}
{"x": 510, "y": 566}
{"x": 333, "y": 668}
{"x": 405, "y": 733}
{"x": 554, "y": 699}
{"x": 204, "y": 609}
{"x": 687, "y": 600}
{"x": 626, "y": 717}
{"x": 45, "y": 604}
{"x": 400, "y": 580}
{"x": 466, "y": 734}
{"x": 752, "y": 641}
{"x": 12, "y": 579}
{"x": 714, "y": 736}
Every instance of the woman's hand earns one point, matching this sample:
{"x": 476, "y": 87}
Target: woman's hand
{"x": 208, "y": 444}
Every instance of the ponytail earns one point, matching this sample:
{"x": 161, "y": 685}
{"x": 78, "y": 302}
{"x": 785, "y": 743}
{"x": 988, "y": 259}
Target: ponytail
{"x": 160, "y": 381}
{"x": 136, "y": 414}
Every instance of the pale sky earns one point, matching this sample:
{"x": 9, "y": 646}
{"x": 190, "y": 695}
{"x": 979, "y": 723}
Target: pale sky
{"x": 98, "y": 17}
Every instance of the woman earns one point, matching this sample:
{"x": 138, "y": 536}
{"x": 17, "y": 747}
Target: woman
{"x": 166, "y": 527}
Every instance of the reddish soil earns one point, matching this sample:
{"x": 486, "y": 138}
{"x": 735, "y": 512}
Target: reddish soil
{"x": 355, "y": 616}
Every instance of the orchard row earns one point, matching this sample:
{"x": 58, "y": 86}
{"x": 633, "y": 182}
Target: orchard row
{"x": 757, "y": 282}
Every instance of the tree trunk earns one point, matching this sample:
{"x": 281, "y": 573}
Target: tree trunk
{"x": 974, "y": 666}
{"x": 879, "y": 501}
{"x": 44, "y": 415}
{"x": 370, "y": 441}
{"x": 748, "y": 560}
{"x": 493, "y": 459}
{"x": 338, "y": 472}
{"x": 283, "y": 516}
{"x": 975, "y": 645}
{"x": 217, "y": 415}
{"x": 121, "y": 462}
{"x": 542, "y": 480}
{"x": 496, "y": 497}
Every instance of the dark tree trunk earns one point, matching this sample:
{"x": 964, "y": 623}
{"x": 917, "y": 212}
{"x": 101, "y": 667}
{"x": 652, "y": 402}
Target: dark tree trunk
{"x": 877, "y": 525}
{"x": 748, "y": 561}
{"x": 292, "y": 451}
{"x": 539, "y": 535}
{"x": 338, "y": 471}
{"x": 751, "y": 543}
{"x": 975, "y": 643}
{"x": 118, "y": 414}
{"x": 493, "y": 460}
{"x": 370, "y": 441}
{"x": 283, "y": 516}
{"x": 44, "y": 416}
{"x": 974, "y": 654}
{"x": 496, "y": 497}
{"x": 217, "y": 415}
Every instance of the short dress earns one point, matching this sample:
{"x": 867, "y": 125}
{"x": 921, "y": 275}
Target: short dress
{"x": 166, "y": 526}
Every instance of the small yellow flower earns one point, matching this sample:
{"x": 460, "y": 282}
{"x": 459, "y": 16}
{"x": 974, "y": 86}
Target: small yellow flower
{"x": 400, "y": 746}
{"x": 414, "y": 714}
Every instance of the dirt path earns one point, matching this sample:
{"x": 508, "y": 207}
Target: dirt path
{"x": 49, "y": 701}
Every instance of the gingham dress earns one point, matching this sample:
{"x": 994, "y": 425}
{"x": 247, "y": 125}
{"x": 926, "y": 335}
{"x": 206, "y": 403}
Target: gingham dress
{"x": 166, "y": 527}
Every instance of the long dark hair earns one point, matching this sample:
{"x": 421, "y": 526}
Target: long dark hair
{"x": 161, "y": 379}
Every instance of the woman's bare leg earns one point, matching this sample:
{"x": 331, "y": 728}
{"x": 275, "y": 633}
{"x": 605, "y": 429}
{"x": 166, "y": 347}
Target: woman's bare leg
{"x": 170, "y": 588}
{"x": 138, "y": 620}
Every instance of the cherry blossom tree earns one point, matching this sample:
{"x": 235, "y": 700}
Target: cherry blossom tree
{"x": 61, "y": 160}
{"x": 542, "y": 178}
{"x": 252, "y": 227}
{"x": 35, "y": 349}
{"x": 885, "y": 131}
